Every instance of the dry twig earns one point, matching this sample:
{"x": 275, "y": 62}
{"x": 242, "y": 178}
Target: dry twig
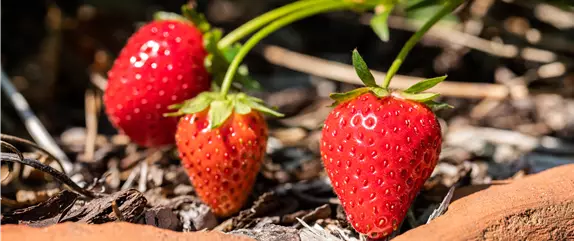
{"x": 21, "y": 141}
{"x": 345, "y": 73}
{"x": 92, "y": 104}
{"x": 33, "y": 124}
{"x": 49, "y": 170}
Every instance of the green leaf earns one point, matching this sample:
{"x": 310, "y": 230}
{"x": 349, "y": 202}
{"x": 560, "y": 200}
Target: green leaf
{"x": 424, "y": 85}
{"x": 245, "y": 104}
{"x": 363, "y": 70}
{"x": 198, "y": 19}
{"x": 215, "y": 87}
{"x": 343, "y": 97}
{"x": 218, "y": 60}
{"x": 435, "y": 106}
{"x": 265, "y": 109}
{"x": 241, "y": 107}
{"x": 379, "y": 23}
{"x": 230, "y": 52}
{"x": 210, "y": 40}
{"x": 194, "y": 105}
{"x": 219, "y": 111}
{"x": 161, "y": 15}
{"x": 380, "y": 92}
{"x": 254, "y": 99}
{"x": 420, "y": 97}
{"x": 423, "y": 10}
{"x": 416, "y": 5}
{"x": 245, "y": 80}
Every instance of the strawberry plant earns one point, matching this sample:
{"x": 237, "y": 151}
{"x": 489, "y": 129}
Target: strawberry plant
{"x": 171, "y": 63}
{"x": 379, "y": 145}
{"x": 175, "y": 57}
{"x": 224, "y": 149}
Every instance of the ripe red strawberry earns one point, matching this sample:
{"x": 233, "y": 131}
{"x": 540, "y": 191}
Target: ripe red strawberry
{"x": 222, "y": 147}
{"x": 161, "y": 64}
{"x": 378, "y": 149}
{"x": 222, "y": 163}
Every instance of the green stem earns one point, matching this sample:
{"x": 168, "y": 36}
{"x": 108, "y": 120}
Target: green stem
{"x": 264, "y": 19}
{"x": 272, "y": 27}
{"x": 447, "y": 8}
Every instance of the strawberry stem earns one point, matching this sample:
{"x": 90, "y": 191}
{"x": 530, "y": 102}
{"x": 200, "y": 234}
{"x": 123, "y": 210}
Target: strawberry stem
{"x": 264, "y": 19}
{"x": 446, "y": 9}
{"x": 272, "y": 27}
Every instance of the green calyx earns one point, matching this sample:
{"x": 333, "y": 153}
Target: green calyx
{"x": 221, "y": 107}
{"x": 414, "y": 93}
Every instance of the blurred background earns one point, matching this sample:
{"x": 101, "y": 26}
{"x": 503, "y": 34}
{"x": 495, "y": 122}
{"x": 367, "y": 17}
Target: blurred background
{"x": 509, "y": 65}
{"x": 52, "y": 49}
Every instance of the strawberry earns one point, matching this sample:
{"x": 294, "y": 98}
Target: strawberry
{"x": 378, "y": 148}
{"x": 161, "y": 64}
{"x": 221, "y": 142}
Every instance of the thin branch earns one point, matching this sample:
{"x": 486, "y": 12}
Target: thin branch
{"x": 33, "y": 124}
{"x": 91, "y": 114}
{"x": 470, "y": 41}
{"x": 22, "y": 141}
{"x": 49, "y": 170}
{"x": 345, "y": 73}
{"x": 13, "y": 149}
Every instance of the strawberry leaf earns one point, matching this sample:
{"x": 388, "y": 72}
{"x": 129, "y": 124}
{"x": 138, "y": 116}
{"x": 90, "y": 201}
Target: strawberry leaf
{"x": 266, "y": 110}
{"x": 217, "y": 62}
{"x": 435, "y": 106}
{"x": 363, "y": 70}
{"x": 424, "y": 85}
{"x": 245, "y": 80}
{"x": 420, "y": 97}
{"x": 161, "y": 15}
{"x": 241, "y": 107}
{"x": 230, "y": 52}
{"x": 255, "y": 104}
{"x": 379, "y": 23}
{"x": 343, "y": 97}
{"x": 197, "y": 104}
{"x": 254, "y": 99}
{"x": 423, "y": 10}
{"x": 219, "y": 111}
{"x": 221, "y": 107}
{"x": 416, "y": 5}
{"x": 198, "y": 19}
{"x": 378, "y": 91}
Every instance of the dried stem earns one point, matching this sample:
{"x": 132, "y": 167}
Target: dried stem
{"x": 49, "y": 170}
{"x": 21, "y": 141}
{"x": 34, "y": 126}
{"x": 345, "y": 73}
{"x": 91, "y": 112}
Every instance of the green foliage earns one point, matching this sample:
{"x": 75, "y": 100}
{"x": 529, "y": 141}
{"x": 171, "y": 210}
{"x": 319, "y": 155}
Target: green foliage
{"x": 379, "y": 22}
{"x": 218, "y": 60}
{"x": 343, "y": 97}
{"x": 424, "y": 85}
{"x": 363, "y": 70}
{"x": 221, "y": 107}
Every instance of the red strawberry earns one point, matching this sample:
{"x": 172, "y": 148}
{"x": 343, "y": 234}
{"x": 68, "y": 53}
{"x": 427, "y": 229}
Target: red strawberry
{"x": 222, "y": 148}
{"x": 378, "y": 149}
{"x": 161, "y": 64}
